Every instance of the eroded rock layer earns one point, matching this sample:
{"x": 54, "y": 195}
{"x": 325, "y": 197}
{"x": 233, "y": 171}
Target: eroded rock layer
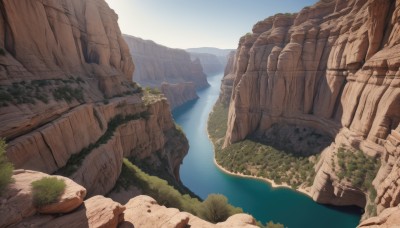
{"x": 333, "y": 67}
{"x": 156, "y": 64}
{"x": 67, "y": 102}
{"x": 178, "y": 94}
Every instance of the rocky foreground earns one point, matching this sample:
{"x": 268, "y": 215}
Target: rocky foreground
{"x": 332, "y": 67}
{"x": 74, "y": 210}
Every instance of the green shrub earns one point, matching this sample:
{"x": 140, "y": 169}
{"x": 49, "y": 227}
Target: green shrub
{"x": 6, "y": 168}
{"x": 271, "y": 224}
{"x": 47, "y": 190}
{"x": 216, "y": 208}
{"x": 68, "y": 94}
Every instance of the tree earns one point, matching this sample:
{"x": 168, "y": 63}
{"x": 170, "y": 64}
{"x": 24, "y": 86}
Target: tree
{"x": 6, "y": 168}
{"x": 216, "y": 208}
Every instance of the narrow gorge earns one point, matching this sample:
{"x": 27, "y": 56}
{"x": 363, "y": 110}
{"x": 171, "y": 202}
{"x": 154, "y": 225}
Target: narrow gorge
{"x": 323, "y": 83}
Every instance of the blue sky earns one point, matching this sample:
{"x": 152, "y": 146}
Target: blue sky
{"x": 197, "y": 23}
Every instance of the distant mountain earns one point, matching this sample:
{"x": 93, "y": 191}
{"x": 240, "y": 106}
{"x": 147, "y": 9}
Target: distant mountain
{"x": 211, "y": 50}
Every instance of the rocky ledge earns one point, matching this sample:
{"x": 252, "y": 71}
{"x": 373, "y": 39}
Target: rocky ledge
{"x": 17, "y": 209}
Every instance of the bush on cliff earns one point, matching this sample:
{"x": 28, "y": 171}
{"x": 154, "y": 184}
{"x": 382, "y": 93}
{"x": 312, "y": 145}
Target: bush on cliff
{"x": 6, "y": 168}
{"x": 47, "y": 190}
{"x": 217, "y": 209}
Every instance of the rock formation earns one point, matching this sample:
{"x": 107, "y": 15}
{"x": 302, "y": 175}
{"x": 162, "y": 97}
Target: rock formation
{"x": 143, "y": 211}
{"x": 178, "y": 94}
{"x": 161, "y": 67}
{"x": 211, "y": 64}
{"x": 17, "y": 209}
{"x": 333, "y": 67}
{"x": 227, "y": 80}
{"x": 68, "y": 104}
{"x": 156, "y": 64}
{"x": 388, "y": 218}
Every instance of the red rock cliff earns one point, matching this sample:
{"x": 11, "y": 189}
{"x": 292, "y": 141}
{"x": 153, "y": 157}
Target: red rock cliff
{"x": 67, "y": 99}
{"x": 333, "y": 67}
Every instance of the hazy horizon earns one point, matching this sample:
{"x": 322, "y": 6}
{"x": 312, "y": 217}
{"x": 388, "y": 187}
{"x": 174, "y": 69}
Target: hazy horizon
{"x": 194, "y": 24}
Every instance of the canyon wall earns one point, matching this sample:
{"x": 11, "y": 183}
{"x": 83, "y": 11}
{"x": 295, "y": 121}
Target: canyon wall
{"x": 157, "y": 65}
{"x": 211, "y": 64}
{"x": 67, "y": 101}
{"x": 227, "y": 80}
{"x": 333, "y": 67}
{"x": 178, "y": 94}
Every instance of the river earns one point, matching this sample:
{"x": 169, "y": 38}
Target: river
{"x": 257, "y": 198}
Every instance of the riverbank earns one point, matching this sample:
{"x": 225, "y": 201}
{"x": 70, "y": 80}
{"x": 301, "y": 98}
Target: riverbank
{"x": 264, "y": 179}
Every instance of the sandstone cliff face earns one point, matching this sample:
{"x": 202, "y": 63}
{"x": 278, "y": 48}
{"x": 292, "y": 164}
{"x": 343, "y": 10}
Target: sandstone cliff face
{"x": 66, "y": 96}
{"x": 333, "y": 67}
{"x": 156, "y": 64}
{"x": 228, "y": 79}
{"x": 178, "y": 94}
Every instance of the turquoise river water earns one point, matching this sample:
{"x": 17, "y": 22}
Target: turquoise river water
{"x": 258, "y": 198}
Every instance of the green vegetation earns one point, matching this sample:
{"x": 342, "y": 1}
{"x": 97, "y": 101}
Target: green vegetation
{"x": 154, "y": 91}
{"x": 47, "y": 190}
{"x": 251, "y": 157}
{"x": 215, "y": 206}
{"x": 75, "y": 161}
{"x": 6, "y": 168}
{"x": 357, "y": 168}
{"x": 29, "y": 92}
{"x": 217, "y": 122}
{"x": 68, "y": 94}
{"x": 271, "y": 224}
{"x": 360, "y": 170}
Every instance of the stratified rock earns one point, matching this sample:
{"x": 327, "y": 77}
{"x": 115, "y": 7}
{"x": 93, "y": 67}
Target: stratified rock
{"x": 333, "y": 67}
{"x": 156, "y": 64}
{"x": 65, "y": 78}
{"x": 389, "y": 218}
{"x": 16, "y": 202}
{"x": 143, "y": 211}
{"x": 178, "y": 94}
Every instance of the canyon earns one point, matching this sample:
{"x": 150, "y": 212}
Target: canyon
{"x": 332, "y": 67}
{"x": 69, "y": 108}
{"x": 170, "y": 70}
